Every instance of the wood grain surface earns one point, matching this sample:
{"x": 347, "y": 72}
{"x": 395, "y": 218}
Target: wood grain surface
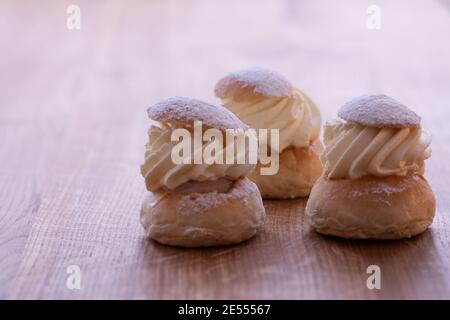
{"x": 73, "y": 126}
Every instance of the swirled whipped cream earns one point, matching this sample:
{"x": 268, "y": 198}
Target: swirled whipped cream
{"x": 296, "y": 116}
{"x": 161, "y": 171}
{"x": 352, "y": 150}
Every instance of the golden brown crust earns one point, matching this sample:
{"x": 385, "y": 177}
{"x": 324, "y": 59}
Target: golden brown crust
{"x": 299, "y": 169}
{"x": 378, "y": 110}
{"x": 182, "y": 112}
{"x": 252, "y": 84}
{"x": 204, "y": 219}
{"x": 392, "y": 207}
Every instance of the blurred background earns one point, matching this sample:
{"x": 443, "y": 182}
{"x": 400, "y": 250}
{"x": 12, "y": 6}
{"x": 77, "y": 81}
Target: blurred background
{"x": 73, "y": 121}
{"x": 126, "y": 56}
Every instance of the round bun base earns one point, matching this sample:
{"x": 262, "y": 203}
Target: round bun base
{"x": 299, "y": 169}
{"x": 204, "y": 219}
{"x": 391, "y": 207}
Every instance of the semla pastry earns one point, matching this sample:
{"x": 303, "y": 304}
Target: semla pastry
{"x": 373, "y": 185}
{"x": 264, "y": 99}
{"x": 194, "y": 205}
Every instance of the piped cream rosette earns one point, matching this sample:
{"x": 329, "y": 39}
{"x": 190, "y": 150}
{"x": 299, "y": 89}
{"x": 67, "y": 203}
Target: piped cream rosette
{"x": 352, "y": 150}
{"x": 165, "y": 166}
{"x": 296, "y": 117}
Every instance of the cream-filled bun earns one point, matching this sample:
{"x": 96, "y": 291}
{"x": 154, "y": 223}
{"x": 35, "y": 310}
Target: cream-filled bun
{"x": 194, "y": 204}
{"x": 372, "y": 186}
{"x": 264, "y": 99}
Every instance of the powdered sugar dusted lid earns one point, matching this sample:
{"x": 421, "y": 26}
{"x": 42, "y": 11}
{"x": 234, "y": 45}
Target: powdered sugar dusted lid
{"x": 182, "y": 112}
{"x": 256, "y": 81}
{"x": 378, "y": 110}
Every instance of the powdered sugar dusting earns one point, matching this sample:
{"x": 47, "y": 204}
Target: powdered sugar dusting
{"x": 263, "y": 81}
{"x": 378, "y": 110}
{"x": 379, "y": 188}
{"x": 198, "y": 202}
{"x": 184, "y": 111}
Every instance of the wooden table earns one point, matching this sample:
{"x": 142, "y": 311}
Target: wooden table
{"x": 73, "y": 126}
